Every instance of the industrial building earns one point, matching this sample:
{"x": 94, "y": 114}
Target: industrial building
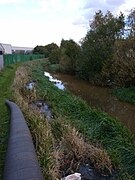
{"x": 9, "y": 49}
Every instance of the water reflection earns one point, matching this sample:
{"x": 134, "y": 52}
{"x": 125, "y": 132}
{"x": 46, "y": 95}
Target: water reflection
{"x": 59, "y": 84}
{"x": 43, "y": 108}
{"x": 101, "y": 98}
{"x": 30, "y": 85}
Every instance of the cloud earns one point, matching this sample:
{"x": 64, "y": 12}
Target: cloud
{"x": 115, "y": 2}
{"x": 91, "y": 7}
{"x": 93, "y": 4}
{"x": 80, "y": 21}
{"x": 38, "y": 22}
{"x": 10, "y": 1}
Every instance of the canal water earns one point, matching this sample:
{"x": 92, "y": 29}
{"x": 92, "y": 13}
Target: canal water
{"x": 100, "y": 97}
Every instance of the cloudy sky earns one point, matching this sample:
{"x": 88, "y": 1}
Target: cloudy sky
{"x": 39, "y": 22}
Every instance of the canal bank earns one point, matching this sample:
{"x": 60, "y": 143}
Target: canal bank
{"x": 100, "y": 133}
{"x": 96, "y": 127}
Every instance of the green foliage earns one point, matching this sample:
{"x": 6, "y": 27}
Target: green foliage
{"x": 94, "y": 125}
{"x": 39, "y": 50}
{"x": 98, "y": 45}
{"x": 120, "y": 70}
{"x": 70, "y": 53}
{"x": 125, "y": 94}
{"x": 55, "y": 56}
{"x": 46, "y": 50}
{"x": 54, "y": 67}
{"x": 6, "y": 80}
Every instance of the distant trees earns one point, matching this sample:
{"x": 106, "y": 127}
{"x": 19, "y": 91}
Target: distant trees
{"x": 49, "y": 50}
{"x": 106, "y": 54}
{"x": 70, "y": 53}
{"x": 39, "y": 50}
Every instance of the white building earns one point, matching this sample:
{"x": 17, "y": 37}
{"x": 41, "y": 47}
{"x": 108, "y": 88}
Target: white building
{"x": 6, "y": 48}
{"x": 22, "y": 50}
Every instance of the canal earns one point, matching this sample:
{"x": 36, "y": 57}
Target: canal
{"x": 101, "y": 98}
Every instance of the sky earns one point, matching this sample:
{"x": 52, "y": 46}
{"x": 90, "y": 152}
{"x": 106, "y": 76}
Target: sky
{"x": 29, "y": 23}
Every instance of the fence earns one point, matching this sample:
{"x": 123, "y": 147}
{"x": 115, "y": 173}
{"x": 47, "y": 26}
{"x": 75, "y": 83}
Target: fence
{"x": 14, "y": 58}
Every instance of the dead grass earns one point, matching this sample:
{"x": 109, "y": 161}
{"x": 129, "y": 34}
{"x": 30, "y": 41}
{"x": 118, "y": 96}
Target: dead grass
{"x": 54, "y": 155}
{"x": 74, "y": 151}
{"x": 39, "y": 127}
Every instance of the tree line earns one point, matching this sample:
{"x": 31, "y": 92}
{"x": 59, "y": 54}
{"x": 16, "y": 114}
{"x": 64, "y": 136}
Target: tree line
{"x": 105, "y": 56}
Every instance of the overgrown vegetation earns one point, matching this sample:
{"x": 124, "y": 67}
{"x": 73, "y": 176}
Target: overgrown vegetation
{"x": 107, "y": 52}
{"x": 125, "y": 94}
{"x": 51, "y": 50}
{"x": 78, "y": 133}
{"x": 6, "y": 80}
{"x": 54, "y": 144}
{"x": 99, "y": 130}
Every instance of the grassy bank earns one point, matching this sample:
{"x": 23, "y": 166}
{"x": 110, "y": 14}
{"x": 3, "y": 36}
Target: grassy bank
{"x": 97, "y": 127}
{"x": 59, "y": 146}
{"x": 6, "y": 80}
{"x": 77, "y": 133}
{"x": 125, "y": 94}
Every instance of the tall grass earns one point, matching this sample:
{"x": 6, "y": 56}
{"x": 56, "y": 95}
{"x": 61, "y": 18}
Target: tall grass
{"x": 6, "y": 80}
{"x": 40, "y": 128}
{"x": 52, "y": 140}
{"x": 96, "y": 126}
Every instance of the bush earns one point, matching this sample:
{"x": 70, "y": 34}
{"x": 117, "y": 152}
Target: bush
{"x": 121, "y": 69}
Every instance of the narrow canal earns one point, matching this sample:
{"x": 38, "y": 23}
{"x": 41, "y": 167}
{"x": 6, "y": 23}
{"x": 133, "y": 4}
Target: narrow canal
{"x": 101, "y": 98}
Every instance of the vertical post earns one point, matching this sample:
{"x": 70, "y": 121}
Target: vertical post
{"x": 1, "y": 62}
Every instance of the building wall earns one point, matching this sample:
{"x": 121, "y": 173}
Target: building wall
{"x": 21, "y": 50}
{"x": 1, "y": 49}
{"x": 7, "y": 48}
{"x": 1, "y": 62}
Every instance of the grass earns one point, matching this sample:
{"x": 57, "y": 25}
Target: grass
{"x": 125, "y": 94}
{"x": 6, "y": 80}
{"x": 54, "y": 67}
{"x": 96, "y": 126}
{"x": 99, "y": 132}
{"x": 51, "y": 140}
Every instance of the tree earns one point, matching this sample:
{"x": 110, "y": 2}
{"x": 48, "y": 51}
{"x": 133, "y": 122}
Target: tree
{"x": 54, "y": 56}
{"x": 98, "y": 45}
{"x": 120, "y": 70}
{"x": 46, "y": 50}
{"x": 70, "y": 53}
{"x": 130, "y": 24}
{"x": 39, "y": 50}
